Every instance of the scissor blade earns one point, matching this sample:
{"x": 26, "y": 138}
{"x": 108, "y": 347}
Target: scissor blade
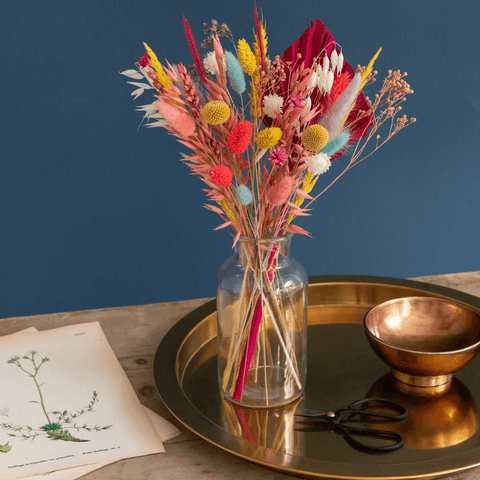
{"x": 308, "y": 413}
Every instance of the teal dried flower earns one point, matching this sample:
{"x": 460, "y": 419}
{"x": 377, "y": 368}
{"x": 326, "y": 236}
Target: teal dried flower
{"x": 243, "y": 195}
{"x": 235, "y": 73}
{"x": 337, "y": 144}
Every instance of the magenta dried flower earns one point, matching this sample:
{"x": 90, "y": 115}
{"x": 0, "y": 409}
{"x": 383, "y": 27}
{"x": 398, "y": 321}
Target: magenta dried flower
{"x": 297, "y": 101}
{"x": 278, "y": 157}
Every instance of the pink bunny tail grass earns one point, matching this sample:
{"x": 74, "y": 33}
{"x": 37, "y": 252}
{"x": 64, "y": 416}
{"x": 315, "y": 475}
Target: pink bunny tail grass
{"x": 259, "y": 38}
{"x": 179, "y": 119}
{"x": 247, "y": 355}
{"x": 194, "y": 50}
{"x": 279, "y": 193}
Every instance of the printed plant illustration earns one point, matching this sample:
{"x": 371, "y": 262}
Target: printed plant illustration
{"x": 5, "y": 448}
{"x": 58, "y": 423}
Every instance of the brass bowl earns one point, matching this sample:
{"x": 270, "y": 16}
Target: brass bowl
{"x": 433, "y": 422}
{"x": 424, "y": 340}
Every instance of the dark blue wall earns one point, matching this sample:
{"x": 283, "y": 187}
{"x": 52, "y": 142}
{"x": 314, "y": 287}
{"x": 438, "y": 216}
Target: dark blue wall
{"x": 96, "y": 212}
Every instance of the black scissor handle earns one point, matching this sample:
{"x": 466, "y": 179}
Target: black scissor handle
{"x": 402, "y": 411}
{"x": 353, "y": 432}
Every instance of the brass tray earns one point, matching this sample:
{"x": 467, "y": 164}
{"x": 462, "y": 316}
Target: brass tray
{"x": 441, "y": 435}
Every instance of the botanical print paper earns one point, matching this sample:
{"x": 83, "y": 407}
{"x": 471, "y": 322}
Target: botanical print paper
{"x": 165, "y": 430}
{"x": 69, "y": 403}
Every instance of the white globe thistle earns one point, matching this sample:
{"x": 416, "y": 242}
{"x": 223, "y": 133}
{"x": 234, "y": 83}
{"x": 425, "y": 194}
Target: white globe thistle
{"x": 210, "y": 63}
{"x": 318, "y": 164}
{"x": 271, "y": 104}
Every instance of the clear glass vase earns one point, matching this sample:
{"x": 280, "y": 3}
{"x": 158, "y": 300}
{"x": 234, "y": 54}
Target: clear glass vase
{"x": 262, "y": 324}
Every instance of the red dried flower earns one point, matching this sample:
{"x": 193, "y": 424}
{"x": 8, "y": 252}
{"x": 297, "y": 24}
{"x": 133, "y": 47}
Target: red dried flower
{"x": 338, "y": 87}
{"x": 240, "y": 137}
{"x": 221, "y": 175}
{"x": 143, "y": 62}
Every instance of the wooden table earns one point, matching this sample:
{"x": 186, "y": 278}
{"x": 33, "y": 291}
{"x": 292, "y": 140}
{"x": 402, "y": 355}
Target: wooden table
{"x": 134, "y": 334}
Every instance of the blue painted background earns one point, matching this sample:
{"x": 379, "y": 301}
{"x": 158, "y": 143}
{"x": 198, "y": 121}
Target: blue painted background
{"x": 96, "y": 212}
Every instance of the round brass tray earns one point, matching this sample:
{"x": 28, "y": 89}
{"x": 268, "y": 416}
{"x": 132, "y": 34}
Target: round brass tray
{"x": 441, "y": 434}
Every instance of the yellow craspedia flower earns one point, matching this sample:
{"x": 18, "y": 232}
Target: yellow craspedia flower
{"x": 314, "y": 138}
{"x": 216, "y": 112}
{"x": 269, "y": 137}
{"x": 246, "y": 57}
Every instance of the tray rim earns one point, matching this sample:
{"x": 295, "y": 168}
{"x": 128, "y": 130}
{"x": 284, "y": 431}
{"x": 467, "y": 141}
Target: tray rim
{"x": 171, "y": 393}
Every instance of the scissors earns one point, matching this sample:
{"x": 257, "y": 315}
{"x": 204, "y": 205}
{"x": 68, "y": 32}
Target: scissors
{"x": 334, "y": 419}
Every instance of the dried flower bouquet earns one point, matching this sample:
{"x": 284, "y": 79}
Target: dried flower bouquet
{"x": 261, "y": 132}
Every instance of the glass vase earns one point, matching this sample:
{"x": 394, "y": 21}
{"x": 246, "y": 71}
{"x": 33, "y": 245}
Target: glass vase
{"x": 262, "y": 324}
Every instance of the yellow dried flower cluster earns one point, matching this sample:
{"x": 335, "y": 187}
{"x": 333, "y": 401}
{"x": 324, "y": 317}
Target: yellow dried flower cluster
{"x": 254, "y": 94}
{"x": 216, "y": 112}
{"x": 269, "y": 137}
{"x": 163, "y": 78}
{"x": 369, "y": 68}
{"x": 314, "y": 138}
{"x": 246, "y": 57}
{"x": 226, "y": 208}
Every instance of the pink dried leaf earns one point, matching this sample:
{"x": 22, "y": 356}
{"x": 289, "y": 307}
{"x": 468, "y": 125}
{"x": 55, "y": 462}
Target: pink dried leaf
{"x": 311, "y": 114}
{"x": 223, "y": 225}
{"x": 186, "y": 144}
{"x": 217, "y": 46}
{"x": 173, "y": 90}
{"x": 237, "y": 237}
{"x": 171, "y": 72}
{"x": 218, "y": 198}
{"x": 298, "y": 212}
{"x": 215, "y": 209}
{"x": 298, "y": 230}
{"x": 217, "y": 92}
{"x": 303, "y": 194}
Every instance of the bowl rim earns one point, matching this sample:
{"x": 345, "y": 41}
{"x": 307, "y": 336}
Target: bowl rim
{"x": 444, "y": 300}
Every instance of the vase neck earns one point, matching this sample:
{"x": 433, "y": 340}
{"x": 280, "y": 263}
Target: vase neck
{"x": 269, "y": 251}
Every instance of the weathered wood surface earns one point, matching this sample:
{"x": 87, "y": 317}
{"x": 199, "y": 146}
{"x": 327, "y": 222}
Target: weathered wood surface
{"x": 134, "y": 334}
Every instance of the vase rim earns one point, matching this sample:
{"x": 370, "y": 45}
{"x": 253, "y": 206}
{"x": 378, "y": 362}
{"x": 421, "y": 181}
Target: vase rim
{"x": 279, "y": 239}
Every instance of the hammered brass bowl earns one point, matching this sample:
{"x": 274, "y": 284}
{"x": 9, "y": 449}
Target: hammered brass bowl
{"x": 424, "y": 340}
